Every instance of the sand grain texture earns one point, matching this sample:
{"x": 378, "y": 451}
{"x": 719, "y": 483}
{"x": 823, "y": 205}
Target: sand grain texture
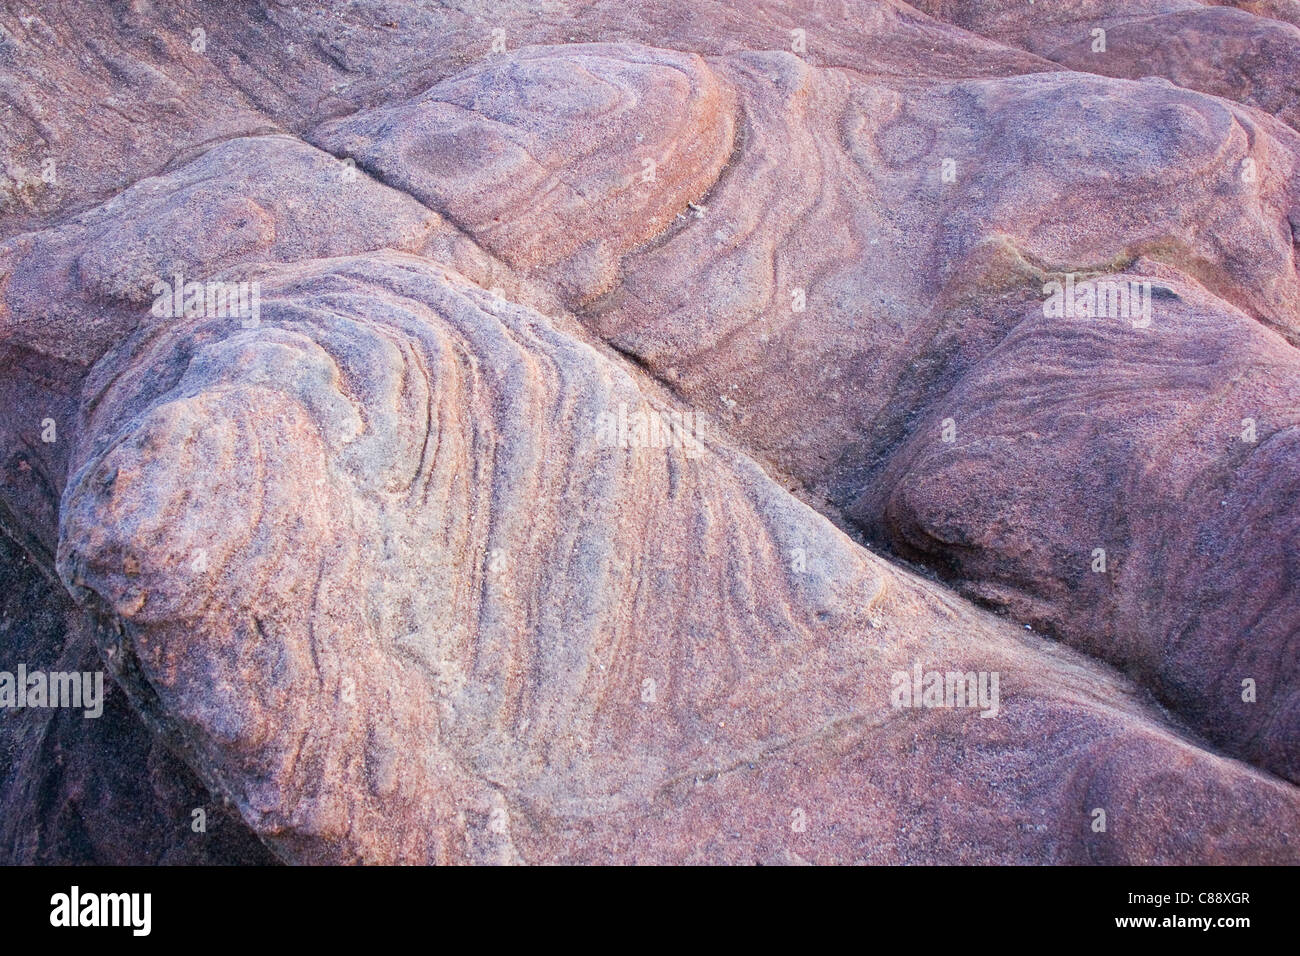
{"x": 393, "y": 571}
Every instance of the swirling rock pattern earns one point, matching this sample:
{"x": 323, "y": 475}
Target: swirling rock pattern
{"x": 1172, "y": 548}
{"x": 560, "y": 159}
{"x": 74, "y": 290}
{"x": 1256, "y": 50}
{"x": 867, "y": 274}
{"x": 405, "y": 643}
{"x": 489, "y": 538}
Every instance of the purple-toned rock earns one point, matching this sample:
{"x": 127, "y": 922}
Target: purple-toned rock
{"x": 414, "y": 574}
{"x": 416, "y": 412}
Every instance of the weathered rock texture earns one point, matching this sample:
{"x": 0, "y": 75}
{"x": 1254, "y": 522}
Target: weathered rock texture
{"x": 456, "y": 593}
{"x": 911, "y": 286}
{"x": 488, "y": 537}
{"x": 1251, "y": 55}
{"x": 102, "y": 790}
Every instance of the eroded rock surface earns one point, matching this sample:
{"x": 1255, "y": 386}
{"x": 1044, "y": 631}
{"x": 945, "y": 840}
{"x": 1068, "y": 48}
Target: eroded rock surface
{"x": 101, "y": 790}
{"x": 560, "y": 159}
{"x": 377, "y": 563}
{"x": 883, "y": 288}
{"x": 396, "y": 567}
{"x": 1251, "y": 54}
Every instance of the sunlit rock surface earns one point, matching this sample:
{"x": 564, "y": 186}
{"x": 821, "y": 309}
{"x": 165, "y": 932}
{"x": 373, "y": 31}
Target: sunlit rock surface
{"x": 579, "y": 432}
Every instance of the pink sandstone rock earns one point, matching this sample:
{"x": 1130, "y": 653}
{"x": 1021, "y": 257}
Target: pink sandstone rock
{"x": 491, "y": 537}
{"x": 381, "y": 568}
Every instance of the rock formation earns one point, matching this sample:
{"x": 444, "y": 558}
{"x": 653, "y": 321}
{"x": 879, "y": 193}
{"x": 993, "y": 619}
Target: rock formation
{"x": 666, "y": 432}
